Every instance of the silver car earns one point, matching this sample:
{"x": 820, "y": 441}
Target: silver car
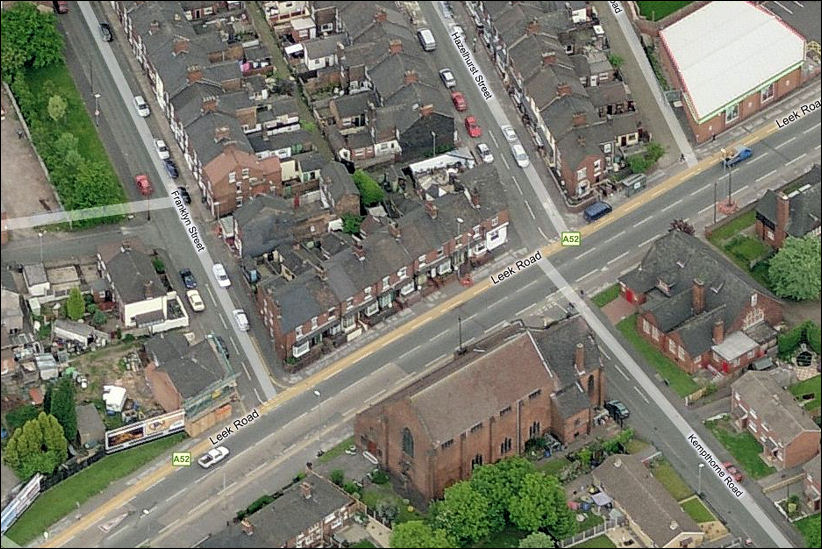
{"x": 510, "y": 134}
{"x": 448, "y": 78}
{"x": 520, "y": 155}
{"x": 485, "y": 153}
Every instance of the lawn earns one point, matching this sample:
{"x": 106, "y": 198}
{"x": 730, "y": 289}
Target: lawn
{"x": 743, "y": 446}
{"x": 336, "y": 450}
{"x": 62, "y": 499}
{"x": 635, "y": 446}
{"x": 606, "y": 296}
{"x": 811, "y": 385}
{"x": 670, "y": 479}
{"x": 554, "y": 465}
{"x": 732, "y": 228}
{"x": 590, "y": 521}
{"x": 509, "y": 537}
{"x": 746, "y": 248}
{"x": 810, "y": 528}
{"x": 676, "y": 378}
{"x": 657, "y": 10}
{"x": 599, "y": 541}
{"x": 697, "y": 511}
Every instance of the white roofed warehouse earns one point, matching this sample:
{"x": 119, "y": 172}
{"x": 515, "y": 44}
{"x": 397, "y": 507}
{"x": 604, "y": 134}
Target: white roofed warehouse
{"x": 730, "y": 59}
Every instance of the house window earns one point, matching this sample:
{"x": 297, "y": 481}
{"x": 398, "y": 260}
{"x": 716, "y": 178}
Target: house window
{"x": 232, "y": 177}
{"x": 386, "y": 282}
{"x": 654, "y": 333}
{"x": 407, "y": 289}
{"x": 299, "y": 331}
{"x": 477, "y": 232}
{"x": 421, "y": 260}
{"x": 476, "y": 427}
{"x": 402, "y": 273}
{"x": 732, "y": 113}
{"x": 681, "y": 353}
{"x": 597, "y": 165}
{"x": 672, "y": 346}
{"x": 606, "y": 148}
{"x": 506, "y": 445}
{"x": 581, "y": 174}
{"x": 535, "y": 394}
{"x": 331, "y": 314}
{"x": 246, "y": 173}
{"x": 504, "y": 411}
{"x": 476, "y": 462}
{"x": 591, "y": 386}
{"x": 347, "y": 322}
{"x": 534, "y": 430}
{"x": 646, "y": 326}
{"x": 349, "y": 303}
{"x": 385, "y": 300}
{"x": 299, "y": 350}
{"x": 439, "y": 251}
{"x": 444, "y": 268}
{"x": 753, "y": 300}
{"x": 447, "y": 444}
{"x": 372, "y": 309}
{"x": 767, "y": 92}
{"x": 367, "y": 292}
{"x": 314, "y": 323}
{"x": 407, "y": 442}
{"x": 495, "y": 221}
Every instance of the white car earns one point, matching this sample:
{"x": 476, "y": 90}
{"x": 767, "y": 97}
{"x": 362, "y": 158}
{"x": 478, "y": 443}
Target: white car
{"x": 485, "y": 153}
{"x": 447, "y": 78}
{"x": 195, "y": 300}
{"x": 510, "y": 134}
{"x": 240, "y": 319}
{"x": 162, "y": 150}
{"x": 457, "y": 29}
{"x": 141, "y": 106}
{"x": 221, "y": 275}
{"x": 520, "y": 155}
{"x": 213, "y": 457}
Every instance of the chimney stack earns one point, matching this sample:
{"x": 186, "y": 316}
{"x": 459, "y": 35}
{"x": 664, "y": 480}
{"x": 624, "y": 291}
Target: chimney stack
{"x": 359, "y": 251}
{"x": 579, "y": 119}
{"x": 718, "y": 332}
{"x": 549, "y": 58}
{"x": 154, "y": 27}
{"x": 395, "y": 46}
{"x": 426, "y": 110}
{"x": 147, "y": 289}
{"x": 394, "y": 229}
{"x": 563, "y": 88}
{"x": 410, "y": 77}
{"x": 698, "y": 296}
{"x": 305, "y": 489}
{"x": 380, "y": 16}
{"x": 209, "y": 104}
{"x": 248, "y": 528}
{"x": 431, "y": 209}
{"x": 783, "y": 212}
{"x": 533, "y": 27}
{"x": 475, "y": 198}
{"x": 579, "y": 357}
{"x": 180, "y": 45}
{"x": 194, "y": 73}
{"x": 221, "y": 133}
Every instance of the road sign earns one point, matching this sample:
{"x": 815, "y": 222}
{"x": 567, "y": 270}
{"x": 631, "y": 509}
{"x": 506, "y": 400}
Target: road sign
{"x": 571, "y": 238}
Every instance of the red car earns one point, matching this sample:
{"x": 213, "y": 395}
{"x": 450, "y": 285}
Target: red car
{"x": 143, "y": 184}
{"x": 459, "y": 101}
{"x": 473, "y": 128}
{"x": 735, "y": 473}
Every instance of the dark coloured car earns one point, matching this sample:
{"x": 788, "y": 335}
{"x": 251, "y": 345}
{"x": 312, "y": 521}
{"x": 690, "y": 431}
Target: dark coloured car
{"x": 105, "y": 32}
{"x": 184, "y": 195}
{"x": 222, "y": 344}
{"x": 617, "y": 409}
{"x": 188, "y": 279}
{"x": 171, "y": 168}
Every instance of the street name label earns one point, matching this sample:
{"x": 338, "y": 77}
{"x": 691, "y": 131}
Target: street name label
{"x": 615, "y": 7}
{"x": 571, "y": 238}
{"x": 181, "y": 459}
{"x": 519, "y": 265}
{"x": 715, "y": 466}
{"x": 185, "y": 217}
{"x": 478, "y": 77}
{"x": 238, "y": 424}
{"x": 807, "y": 108}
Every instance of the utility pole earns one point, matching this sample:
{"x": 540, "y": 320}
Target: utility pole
{"x": 715, "y": 198}
{"x": 320, "y": 412}
{"x": 699, "y": 479}
{"x": 460, "y": 349}
{"x": 433, "y": 144}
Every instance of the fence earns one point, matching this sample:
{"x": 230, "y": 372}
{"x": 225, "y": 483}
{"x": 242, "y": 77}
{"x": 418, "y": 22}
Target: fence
{"x": 68, "y": 469}
{"x": 597, "y": 530}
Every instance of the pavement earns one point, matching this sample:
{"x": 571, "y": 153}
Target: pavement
{"x": 618, "y": 309}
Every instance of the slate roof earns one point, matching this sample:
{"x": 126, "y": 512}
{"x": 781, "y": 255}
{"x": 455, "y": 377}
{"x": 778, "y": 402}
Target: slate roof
{"x": 310, "y": 161}
{"x": 644, "y": 499}
{"x": 131, "y": 272}
{"x": 805, "y": 208}
{"x": 321, "y": 47}
{"x": 288, "y": 139}
{"x": 559, "y": 114}
{"x": 355, "y": 104}
{"x": 339, "y": 181}
{"x": 188, "y": 102}
{"x": 814, "y": 467}
{"x": 542, "y": 85}
{"x": 774, "y": 405}
{"x": 583, "y": 141}
{"x": 202, "y": 131}
{"x": 388, "y": 75}
{"x": 607, "y": 93}
{"x": 192, "y": 368}
{"x": 526, "y": 53}
{"x": 300, "y": 299}
{"x": 264, "y": 222}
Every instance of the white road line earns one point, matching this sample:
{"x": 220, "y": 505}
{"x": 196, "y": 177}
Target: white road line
{"x": 213, "y": 300}
{"x": 770, "y": 173}
{"x": 234, "y": 343}
{"x": 785, "y": 142}
{"x": 506, "y": 163}
{"x": 519, "y": 313}
{"x": 530, "y": 211}
{"x": 640, "y": 394}
{"x": 583, "y": 277}
{"x": 406, "y": 353}
{"x": 740, "y": 189}
{"x": 542, "y": 233}
{"x": 757, "y": 158}
{"x": 601, "y": 350}
{"x": 517, "y": 184}
{"x": 439, "y": 335}
{"x": 246, "y": 371}
{"x": 620, "y": 233}
{"x": 580, "y": 256}
{"x": 812, "y": 128}
{"x": 782, "y": 6}
{"x": 801, "y": 156}
{"x": 617, "y": 258}
{"x": 798, "y": 4}
{"x": 671, "y": 205}
{"x": 705, "y": 209}
{"x": 496, "y": 326}
{"x": 494, "y": 139}
{"x": 256, "y": 394}
{"x": 641, "y": 221}
{"x": 375, "y": 396}
{"x": 647, "y": 241}
{"x": 697, "y": 191}
{"x": 222, "y": 321}
{"x": 621, "y": 371}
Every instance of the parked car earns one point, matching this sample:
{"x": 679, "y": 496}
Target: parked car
{"x": 105, "y": 32}
{"x": 141, "y": 106}
{"x": 240, "y": 319}
{"x": 459, "y": 101}
{"x": 184, "y": 195}
{"x": 195, "y": 300}
{"x": 162, "y": 150}
{"x": 213, "y": 457}
{"x": 596, "y": 210}
{"x": 221, "y": 275}
{"x": 143, "y": 184}
{"x": 171, "y": 168}
{"x": 735, "y": 156}
{"x": 735, "y": 473}
{"x": 520, "y": 155}
{"x": 617, "y": 409}
{"x": 473, "y": 128}
{"x": 485, "y": 153}
{"x": 188, "y": 279}
{"x": 510, "y": 134}
{"x": 447, "y": 78}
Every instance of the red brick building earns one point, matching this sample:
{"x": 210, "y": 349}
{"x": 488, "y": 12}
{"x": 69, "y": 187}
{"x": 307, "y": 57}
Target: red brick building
{"x": 515, "y": 385}
{"x": 235, "y": 175}
{"x": 788, "y": 435}
{"x": 812, "y": 483}
{"x": 780, "y": 215}
{"x": 698, "y": 309}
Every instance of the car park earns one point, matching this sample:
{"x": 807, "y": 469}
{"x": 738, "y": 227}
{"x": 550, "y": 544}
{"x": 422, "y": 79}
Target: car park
{"x": 447, "y": 78}
{"x": 473, "y": 128}
{"x": 171, "y": 168}
{"x": 195, "y": 300}
{"x": 520, "y": 155}
{"x": 141, "y": 106}
{"x": 485, "y": 153}
{"x": 184, "y": 195}
{"x": 105, "y": 32}
{"x": 188, "y": 279}
{"x": 617, "y": 409}
{"x": 241, "y": 319}
{"x": 510, "y": 134}
{"x": 735, "y": 473}
{"x": 162, "y": 150}
{"x": 458, "y": 98}
{"x": 222, "y": 277}
{"x": 213, "y": 457}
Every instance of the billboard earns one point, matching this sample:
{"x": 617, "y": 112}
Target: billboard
{"x": 145, "y": 431}
{"x": 20, "y": 502}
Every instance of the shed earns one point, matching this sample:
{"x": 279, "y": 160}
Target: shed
{"x": 89, "y": 426}
{"x": 46, "y": 365}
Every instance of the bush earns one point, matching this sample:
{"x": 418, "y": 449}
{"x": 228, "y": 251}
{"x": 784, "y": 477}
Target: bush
{"x": 813, "y": 335}
{"x": 337, "y": 476}
{"x": 18, "y": 416}
{"x": 370, "y": 191}
{"x": 790, "y": 340}
{"x": 159, "y": 266}
{"x": 351, "y": 223}
{"x": 351, "y": 487}
{"x": 380, "y": 477}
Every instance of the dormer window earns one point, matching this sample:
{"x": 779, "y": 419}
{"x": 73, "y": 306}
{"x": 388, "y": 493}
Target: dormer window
{"x": 680, "y": 264}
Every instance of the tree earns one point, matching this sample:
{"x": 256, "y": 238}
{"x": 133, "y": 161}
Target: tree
{"x": 370, "y": 191}
{"x": 351, "y": 223}
{"x": 616, "y": 61}
{"x": 682, "y": 225}
{"x": 62, "y": 407}
{"x": 794, "y": 270}
{"x": 337, "y": 476}
{"x": 37, "y": 447}
{"x": 416, "y": 534}
{"x": 536, "y": 540}
{"x": 499, "y": 482}
{"x": 463, "y": 513}
{"x": 541, "y": 504}
{"x": 76, "y": 305}
{"x": 584, "y": 456}
{"x": 29, "y": 37}
{"x": 99, "y": 318}
{"x": 57, "y": 107}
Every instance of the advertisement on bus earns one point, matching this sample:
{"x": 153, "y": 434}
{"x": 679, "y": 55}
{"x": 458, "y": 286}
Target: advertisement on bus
{"x": 145, "y": 431}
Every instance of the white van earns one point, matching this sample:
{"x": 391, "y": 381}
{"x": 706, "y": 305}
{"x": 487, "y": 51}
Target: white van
{"x": 427, "y": 41}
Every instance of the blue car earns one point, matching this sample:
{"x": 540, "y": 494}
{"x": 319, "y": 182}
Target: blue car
{"x": 735, "y": 158}
{"x": 171, "y": 168}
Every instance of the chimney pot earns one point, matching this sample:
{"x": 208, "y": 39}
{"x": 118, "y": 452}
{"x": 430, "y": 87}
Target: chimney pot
{"x": 395, "y": 46}
{"x": 563, "y": 89}
{"x": 579, "y": 357}
{"x": 305, "y": 489}
{"x": 579, "y": 119}
{"x": 410, "y": 77}
{"x": 783, "y": 212}
{"x": 380, "y": 16}
{"x": 698, "y": 296}
{"x": 549, "y": 58}
{"x": 359, "y": 251}
{"x": 533, "y": 27}
{"x": 431, "y": 209}
{"x": 426, "y": 110}
{"x": 718, "y": 332}
{"x": 394, "y": 229}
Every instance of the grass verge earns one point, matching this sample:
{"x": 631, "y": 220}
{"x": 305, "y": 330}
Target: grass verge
{"x": 743, "y": 446}
{"x": 697, "y": 511}
{"x": 376, "y": 493}
{"x": 810, "y": 528}
{"x": 670, "y": 479}
{"x": 676, "y": 378}
{"x": 61, "y": 500}
{"x": 554, "y": 465}
{"x": 732, "y": 228}
{"x": 606, "y": 296}
{"x": 336, "y": 450}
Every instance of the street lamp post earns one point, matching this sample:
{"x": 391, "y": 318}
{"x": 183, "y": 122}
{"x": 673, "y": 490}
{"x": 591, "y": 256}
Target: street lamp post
{"x": 715, "y": 183}
{"x": 97, "y": 109}
{"x": 699, "y": 479}
{"x": 433, "y": 144}
{"x": 40, "y": 236}
{"x": 320, "y": 412}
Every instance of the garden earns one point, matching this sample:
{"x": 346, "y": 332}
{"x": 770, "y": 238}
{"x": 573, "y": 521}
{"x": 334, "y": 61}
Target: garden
{"x": 743, "y": 446}
{"x": 659, "y": 10}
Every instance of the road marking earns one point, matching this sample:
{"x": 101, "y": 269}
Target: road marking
{"x": 640, "y": 394}
{"x": 211, "y": 295}
{"x": 644, "y": 220}
{"x": 256, "y": 394}
{"x": 620, "y": 233}
{"x": 801, "y": 156}
{"x": 406, "y": 353}
{"x": 530, "y": 211}
{"x": 740, "y": 189}
{"x": 542, "y": 233}
{"x": 375, "y": 396}
{"x": 697, "y": 191}
{"x": 785, "y": 142}
{"x": 505, "y": 162}
{"x": 580, "y": 256}
{"x": 621, "y": 371}
{"x": 496, "y": 326}
{"x": 246, "y": 371}
{"x": 812, "y": 128}
{"x": 583, "y": 277}
{"x": 671, "y": 205}
{"x": 223, "y": 321}
{"x": 494, "y": 139}
{"x": 517, "y": 184}
{"x": 778, "y": 3}
{"x": 705, "y": 209}
{"x": 770, "y": 173}
{"x": 648, "y": 241}
{"x": 757, "y": 158}
{"x": 617, "y": 258}
{"x": 236, "y": 349}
